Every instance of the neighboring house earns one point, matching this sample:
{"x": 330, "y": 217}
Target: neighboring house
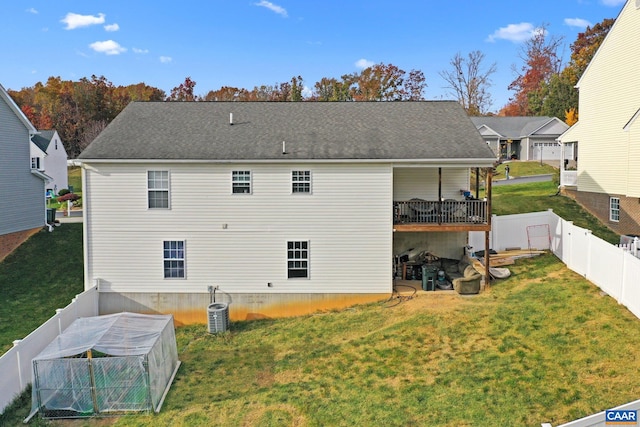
{"x": 526, "y": 138}
{"x": 286, "y": 207}
{"x": 49, "y": 156}
{"x": 22, "y": 188}
{"x": 608, "y": 131}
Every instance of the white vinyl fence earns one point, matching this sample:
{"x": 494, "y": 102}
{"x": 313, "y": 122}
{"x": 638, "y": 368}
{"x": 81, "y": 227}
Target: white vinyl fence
{"x": 15, "y": 364}
{"x": 613, "y": 268}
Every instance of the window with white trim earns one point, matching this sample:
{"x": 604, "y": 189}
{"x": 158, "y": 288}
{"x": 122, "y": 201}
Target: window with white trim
{"x": 158, "y": 189}
{"x": 614, "y": 209}
{"x": 301, "y": 182}
{"x": 241, "y": 182}
{"x": 35, "y": 163}
{"x": 174, "y": 259}
{"x": 297, "y": 259}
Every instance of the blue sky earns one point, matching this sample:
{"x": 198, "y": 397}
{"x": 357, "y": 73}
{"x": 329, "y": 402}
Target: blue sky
{"x": 247, "y": 43}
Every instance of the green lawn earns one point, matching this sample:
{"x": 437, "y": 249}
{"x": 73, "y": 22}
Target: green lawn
{"x": 43, "y": 274}
{"x": 542, "y": 346}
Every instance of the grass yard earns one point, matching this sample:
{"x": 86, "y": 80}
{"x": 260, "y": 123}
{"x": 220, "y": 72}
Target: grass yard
{"x": 43, "y": 274}
{"x": 522, "y": 168}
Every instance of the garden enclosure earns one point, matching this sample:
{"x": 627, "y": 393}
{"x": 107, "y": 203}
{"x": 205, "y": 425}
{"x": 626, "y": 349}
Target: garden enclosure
{"x": 105, "y": 365}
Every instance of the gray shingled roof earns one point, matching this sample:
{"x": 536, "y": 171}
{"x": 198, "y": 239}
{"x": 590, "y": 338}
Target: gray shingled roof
{"x": 311, "y": 130}
{"x": 43, "y": 139}
{"x": 512, "y": 127}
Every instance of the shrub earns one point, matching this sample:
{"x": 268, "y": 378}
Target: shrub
{"x": 68, "y": 196}
{"x": 63, "y": 192}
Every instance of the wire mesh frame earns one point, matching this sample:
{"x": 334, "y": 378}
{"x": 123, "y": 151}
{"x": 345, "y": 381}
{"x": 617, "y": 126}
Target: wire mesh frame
{"x": 82, "y": 387}
{"x": 538, "y": 237}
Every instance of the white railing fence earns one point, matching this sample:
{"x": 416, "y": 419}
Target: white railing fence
{"x": 15, "y": 364}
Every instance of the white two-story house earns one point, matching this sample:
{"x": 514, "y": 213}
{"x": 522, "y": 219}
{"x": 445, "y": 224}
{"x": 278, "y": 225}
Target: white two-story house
{"x": 608, "y": 131}
{"x": 282, "y": 208}
{"x": 48, "y": 155}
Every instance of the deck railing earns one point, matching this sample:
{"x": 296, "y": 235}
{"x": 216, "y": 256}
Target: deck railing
{"x": 418, "y": 211}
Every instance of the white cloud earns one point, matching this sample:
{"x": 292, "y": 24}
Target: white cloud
{"x": 166, "y": 59}
{"x": 613, "y": 2}
{"x": 577, "y": 22}
{"x": 513, "y": 32}
{"x": 273, "y": 7}
{"x": 364, "y": 63}
{"x": 108, "y": 47}
{"x": 307, "y": 92}
{"x": 140, "y": 51}
{"x": 32, "y": 10}
{"x": 73, "y": 20}
{"x": 112, "y": 27}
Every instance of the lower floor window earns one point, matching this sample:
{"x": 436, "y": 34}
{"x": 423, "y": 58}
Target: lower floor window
{"x": 174, "y": 259}
{"x": 614, "y": 209}
{"x": 297, "y": 259}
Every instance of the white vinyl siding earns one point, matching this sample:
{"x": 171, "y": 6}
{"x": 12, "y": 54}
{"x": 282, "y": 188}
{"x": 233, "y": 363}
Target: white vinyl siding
{"x": 239, "y": 243}
{"x": 174, "y": 259}
{"x": 422, "y": 183}
{"x": 241, "y": 182}
{"x": 301, "y": 182}
{"x": 158, "y": 189}
{"x": 609, "y": 96}
{"x": 614, "y": 209}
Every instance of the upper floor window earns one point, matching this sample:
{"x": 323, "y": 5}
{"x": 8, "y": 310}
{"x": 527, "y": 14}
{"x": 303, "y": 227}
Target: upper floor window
{"x": 301, "y": 181}
{"x": 35, "y": 163}
{"x": 158, "y": 189}
{"x": 614, "y": 209}
{"x": 297, "y": 259}
{"x": 241, "y": 182}
{"x": 174, "y": 259}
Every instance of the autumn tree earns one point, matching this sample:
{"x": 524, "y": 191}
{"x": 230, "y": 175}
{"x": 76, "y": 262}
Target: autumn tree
{"x": 332, "y": 89}
{"x": 415, "y": 86}
{"x": 227, "y": 93}
{"x": 469, "y": 82}
{"x": 183, "y": 92}
{"x": 78, "y": 110}
{"x": 541, "y": 61}
{"x": 558, "y": 97}
{"x": 379, "y": 82}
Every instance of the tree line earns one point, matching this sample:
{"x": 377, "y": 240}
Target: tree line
{"x": 80, "y": 110}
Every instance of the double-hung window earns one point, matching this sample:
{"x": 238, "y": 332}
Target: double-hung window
{"x": 297, "y": 259}
{"x": 158, "y": 189}
{"x": 174, "y": 259}
{"x": 301, "y": 182}
{"x": 241, "y": 182}
{"x": 614, "y": 209}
